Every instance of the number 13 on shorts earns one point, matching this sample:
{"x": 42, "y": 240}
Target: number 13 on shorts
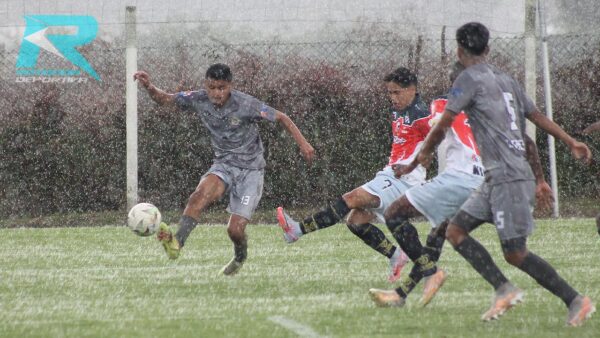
{"x": 245, "y": 200}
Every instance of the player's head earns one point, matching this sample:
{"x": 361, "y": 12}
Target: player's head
{"x": 472, "y": 39}
{"x": 455, "y": 70}
{"x": 401, "y": 85}
{"x": 218, "y": 83}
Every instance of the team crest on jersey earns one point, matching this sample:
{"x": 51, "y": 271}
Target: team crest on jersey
{"x": 406, "y": 119}
{"x": 234, "y": 121}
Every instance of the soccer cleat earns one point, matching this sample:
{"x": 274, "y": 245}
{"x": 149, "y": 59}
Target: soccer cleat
{"x": 433, "y": 284}
{"x": 580, "y": 309}
{"x": 386, "y": 298}
{"x": 168, "y": 241}
{"x": 506, "y": 297}
{"x": 231, "y": 268}
{"x": 397, "y": 263}
{"x": 291, "y": 228}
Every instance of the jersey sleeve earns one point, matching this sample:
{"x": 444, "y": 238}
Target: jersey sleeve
{"x": 461, "y": 94}
{"x": 184, "y": 100}
{"x": 261, "y": 111}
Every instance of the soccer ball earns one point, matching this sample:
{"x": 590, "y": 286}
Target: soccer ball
{"x": 143, "y": 219}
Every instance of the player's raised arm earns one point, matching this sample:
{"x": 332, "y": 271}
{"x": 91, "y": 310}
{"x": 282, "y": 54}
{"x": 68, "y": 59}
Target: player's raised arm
{"x": 159, "y": 96}
{"x": 308, "y": 152}
{"x": 579, "y": 149}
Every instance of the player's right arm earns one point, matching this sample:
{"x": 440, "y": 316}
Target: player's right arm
{"x": 435, "y": 137}
{"x": 579, "y": 149}
{"x": 159, "y": 96}
{"x": 592, "y": 128}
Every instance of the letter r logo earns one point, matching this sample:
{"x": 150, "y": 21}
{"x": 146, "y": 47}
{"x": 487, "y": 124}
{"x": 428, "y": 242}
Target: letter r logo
{"x": 62, "y": 45}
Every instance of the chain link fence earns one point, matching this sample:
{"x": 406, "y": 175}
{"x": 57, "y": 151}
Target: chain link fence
{"x": 62, "y": 145}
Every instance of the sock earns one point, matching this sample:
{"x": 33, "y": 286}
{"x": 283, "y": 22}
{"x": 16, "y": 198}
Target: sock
{"x": 186, "y": 225}
{"x": 327, "y": 217}
{"x": 433, "y": 247}
{"x": 373, "y": 237}
{"x": 481, "y": 261}
{"x": 407, "y": 236}
{"x": 408, "y": 283}
{"x": 241, "y": 250}
{"x": 546, "y": 276}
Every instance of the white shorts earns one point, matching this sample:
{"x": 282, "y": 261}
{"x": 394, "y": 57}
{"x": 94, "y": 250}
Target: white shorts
{"x": 388, "y": 188}
{"x": 441, "y": 197}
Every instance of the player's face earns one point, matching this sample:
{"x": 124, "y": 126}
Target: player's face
{"x": 218, "y": 91}
{"x": 401, "y": 97}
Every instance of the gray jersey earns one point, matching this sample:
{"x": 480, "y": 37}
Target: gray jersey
{"x": 233, "y": 130}
{"x": 496, "y": 106}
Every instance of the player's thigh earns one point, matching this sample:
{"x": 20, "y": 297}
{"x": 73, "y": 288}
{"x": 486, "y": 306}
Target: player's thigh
{"x": 246, "y": 192}
{"x": 210, "y": 188}
{"x": 512, "y": 208}
{"x": 359, "y": 198}
{"x": 387, "y": 189}
{"x": 440, "y": 198}
{"x": 360, "y": 216}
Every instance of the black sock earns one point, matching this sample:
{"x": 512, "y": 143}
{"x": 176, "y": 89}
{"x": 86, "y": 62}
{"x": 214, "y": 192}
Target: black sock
{"x": 241, "y": 251}
{"x": 407, "y": 284}
{"x": 481, "y": 261}
{"x": 598, "y": 223}
{"x": 433, "y": 246}
{"x": 327, "y": 217}
{"x": 407, "y": 236}
{"x": 373, "y": 237}
{"x": 546, "y": 276}
{"x": 186, "y": 225}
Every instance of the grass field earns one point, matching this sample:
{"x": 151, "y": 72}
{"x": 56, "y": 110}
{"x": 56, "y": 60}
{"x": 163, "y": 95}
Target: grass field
{"x": 106, "y": 282}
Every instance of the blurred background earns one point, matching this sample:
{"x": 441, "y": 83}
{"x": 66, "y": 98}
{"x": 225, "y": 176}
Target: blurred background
{"x": 63, "y": 145}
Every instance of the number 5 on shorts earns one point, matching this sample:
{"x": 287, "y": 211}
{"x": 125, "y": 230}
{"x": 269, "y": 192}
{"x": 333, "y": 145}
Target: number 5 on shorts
{"x": 500, "y": 220}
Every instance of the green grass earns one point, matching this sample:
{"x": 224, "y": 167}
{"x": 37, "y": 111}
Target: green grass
{"x": 106, "y": 282}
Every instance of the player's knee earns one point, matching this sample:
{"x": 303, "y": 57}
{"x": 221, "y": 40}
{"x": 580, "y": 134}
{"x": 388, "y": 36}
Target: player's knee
{"x": 455, "y": 234}
{"x": 515, "y": 258}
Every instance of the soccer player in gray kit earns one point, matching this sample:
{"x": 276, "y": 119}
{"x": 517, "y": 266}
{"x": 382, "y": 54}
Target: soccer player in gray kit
{"x": 497, "y": 106}
{"x": 231, "y": 118}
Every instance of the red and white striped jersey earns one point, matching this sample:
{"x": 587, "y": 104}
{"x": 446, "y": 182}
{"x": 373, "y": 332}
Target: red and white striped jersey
{"x": 462, "y": 153}
{"x": 410, "y": 126}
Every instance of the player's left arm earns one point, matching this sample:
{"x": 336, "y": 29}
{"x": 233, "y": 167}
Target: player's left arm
{"x": 308, "y": 152}
{"x": 579, "y": 149}
{"x": 543, "y": 192}
{"x": 592, "y": 128}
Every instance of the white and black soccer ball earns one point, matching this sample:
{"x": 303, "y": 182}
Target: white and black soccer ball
{"x": 143, "y": 219}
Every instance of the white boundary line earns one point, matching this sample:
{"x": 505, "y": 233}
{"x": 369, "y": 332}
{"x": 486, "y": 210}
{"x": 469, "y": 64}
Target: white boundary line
{"x": 298, "y": 328}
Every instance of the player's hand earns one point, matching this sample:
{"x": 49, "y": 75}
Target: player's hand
{"x": 403, "y": 169}
{"x": 424, "y": 159}
{"x": 142, "y": 77}
{"x": 581, "y": 152}
{"x": 308, "y": 152}
{"x": 543, "y": 195}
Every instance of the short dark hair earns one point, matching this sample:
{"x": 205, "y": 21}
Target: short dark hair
{"x": 473, "y": 37}
{"x": 219, "y": 71}
{"x": 401, "y": 76}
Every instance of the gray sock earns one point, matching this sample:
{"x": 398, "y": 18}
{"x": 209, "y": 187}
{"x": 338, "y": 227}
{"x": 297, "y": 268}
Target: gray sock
{"x": 186, "y": 225}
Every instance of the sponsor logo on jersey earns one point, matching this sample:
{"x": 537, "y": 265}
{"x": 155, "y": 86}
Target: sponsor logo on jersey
{"x": 399, "y": 140}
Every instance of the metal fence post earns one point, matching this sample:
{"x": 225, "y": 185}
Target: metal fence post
{"x": 131, "y": 103}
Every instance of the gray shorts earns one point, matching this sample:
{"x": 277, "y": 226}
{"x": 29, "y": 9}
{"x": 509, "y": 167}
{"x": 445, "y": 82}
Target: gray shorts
{"x": 441, "y": 197}
{"x": 388, "y": 188}
{"x": 244, "y": 187}
{"x": 509, "y": 206}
